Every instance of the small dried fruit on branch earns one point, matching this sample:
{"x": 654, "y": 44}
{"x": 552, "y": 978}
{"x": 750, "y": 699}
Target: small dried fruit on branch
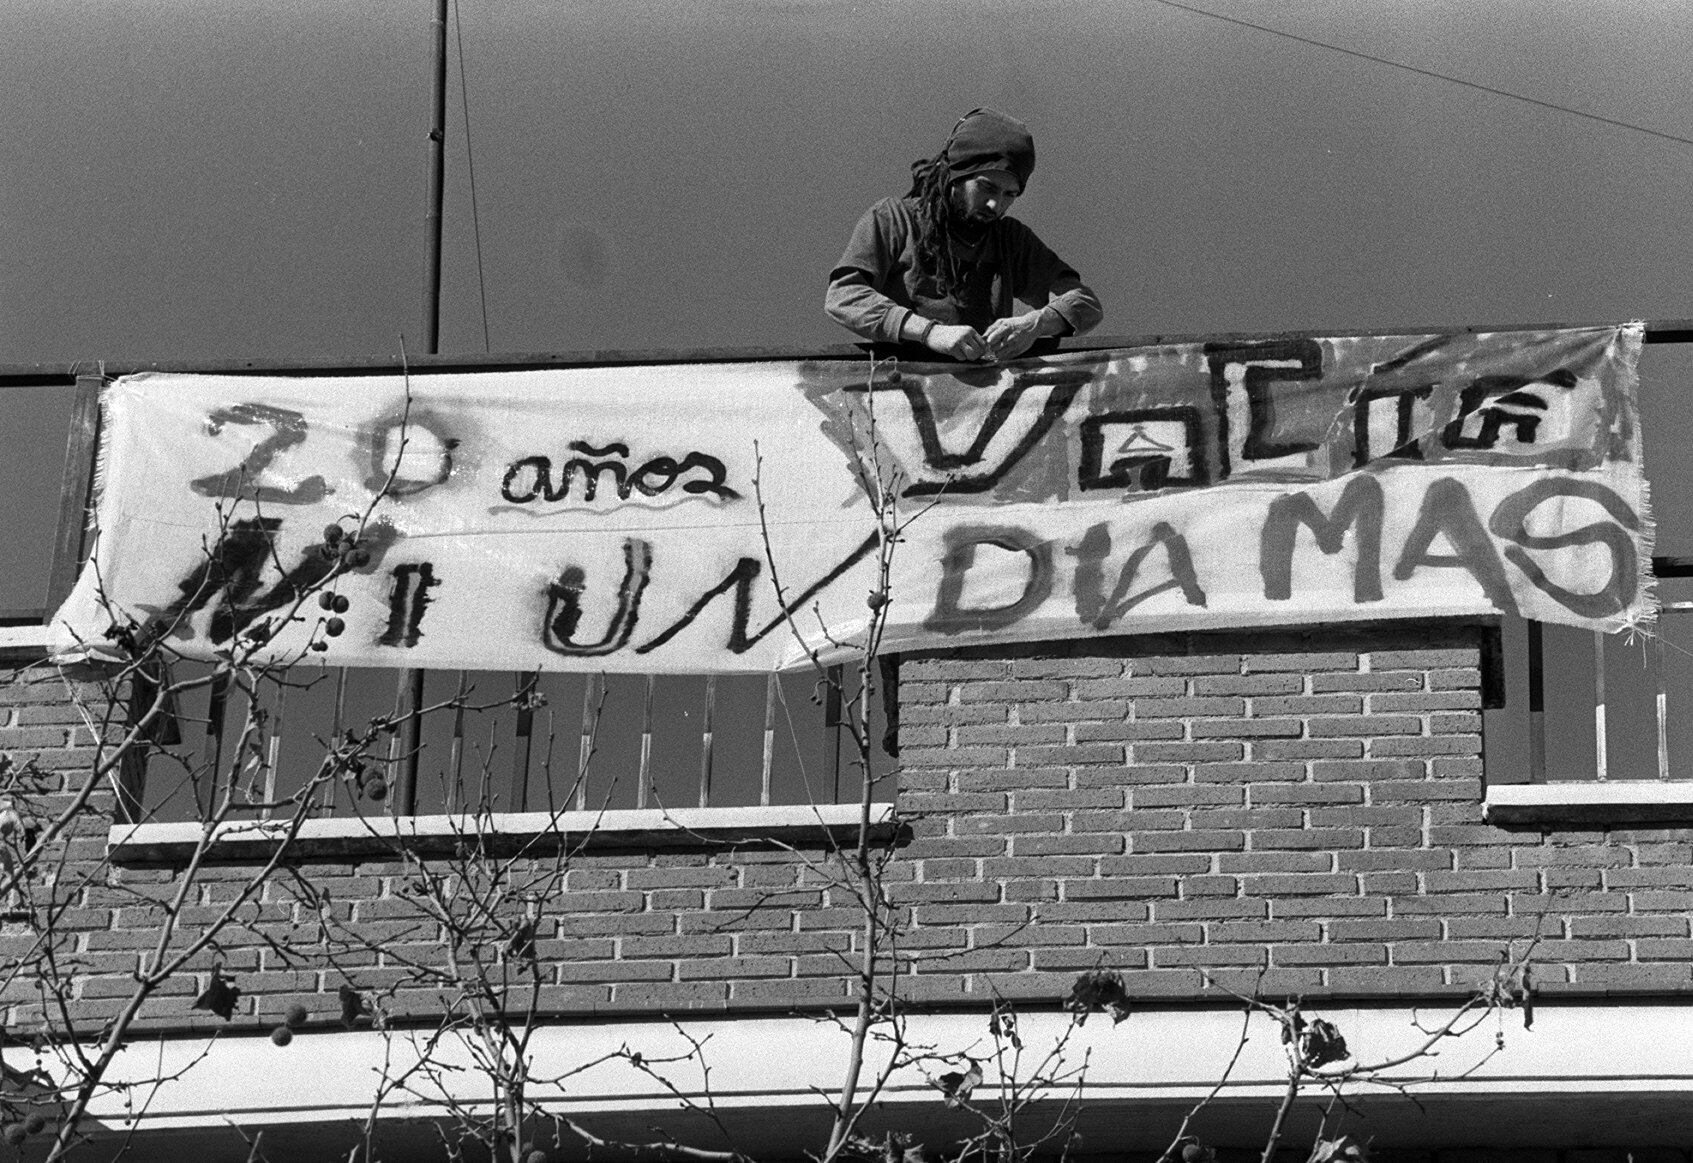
{"x": 1193, "y": 1151}
{"x": 296, "y": 1016}
{"x": 282, "y": 1035}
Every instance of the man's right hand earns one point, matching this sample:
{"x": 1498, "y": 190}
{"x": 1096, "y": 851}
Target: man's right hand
{"x": 957, "y": 341}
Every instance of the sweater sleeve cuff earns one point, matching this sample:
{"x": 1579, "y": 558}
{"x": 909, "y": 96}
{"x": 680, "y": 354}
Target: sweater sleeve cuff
{"x": 893, "y": 323}
{"x": 1067, "y": 324}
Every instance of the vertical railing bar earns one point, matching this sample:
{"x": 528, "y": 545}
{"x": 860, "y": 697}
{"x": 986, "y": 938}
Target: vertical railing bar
{"x": 337, "y": 728}
{"x": 455, "y": 752}
{"x": 1601, "y": 745}
{"x": 833, "y": 678}
{"x": 547, "y": 763}
{"x": 211, "y": 752}
{"x": 643, "y": 776}
{"x": 1661, "y": 703}
{"x": 523, "y": 686}
{"x": 769, "y": 740}
{"x": 590, "y": 729}
{"x": 273, "y": 750}
{"x": 1536, "y": 703}
{"x": 407, "y": 750}
{"x": 707, "y": 739}
{"x": 485, "y": 769}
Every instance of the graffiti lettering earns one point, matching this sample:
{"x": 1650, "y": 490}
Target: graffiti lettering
{"x": 530, "y": 478}
{"x": 231, "y": 575}
{"x": 1097, "y": 610}
{"x": 1062, "y": 384}
{"x": 1243, "y": 381}
{"x": 409, "y": 452}
{"x": 1156, "y": 448}
{"x": 1359, "y": 508}
{"x": 1448, "y": 512}
{"x": 407, "y": 601}
{"x": 1493, "y": 403}
{"x": 246, "y": 481}
{"x": 564, "y": 605}
{"x": 1510, "y": 521}
{"x": 740, "y": 579}
{"x": 951, "y": 616}
{"x": 1375, "y": 435}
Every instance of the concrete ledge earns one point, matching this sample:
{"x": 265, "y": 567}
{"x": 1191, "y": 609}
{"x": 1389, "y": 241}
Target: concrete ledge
{"x": 24, "y": 642}
{"x": 1613, "y": 802}
{"x": 1589, "y": 1075}
{"x": 506, "y": 832}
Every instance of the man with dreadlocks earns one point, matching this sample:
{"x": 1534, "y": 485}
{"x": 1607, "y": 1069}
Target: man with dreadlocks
{"x": 941, "y": 267}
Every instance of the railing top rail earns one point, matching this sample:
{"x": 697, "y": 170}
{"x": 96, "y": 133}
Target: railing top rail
{"x": 39, "y": 374}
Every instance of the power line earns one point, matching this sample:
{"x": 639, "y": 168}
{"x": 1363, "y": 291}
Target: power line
{"x": 1424, "y": 72}
{"x": 470, "y": 166}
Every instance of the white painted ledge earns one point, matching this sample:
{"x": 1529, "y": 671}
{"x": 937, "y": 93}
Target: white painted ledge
{"x": 1584, "y": 1074}
{"x": 24, "y": 638}
{"x": 1611, "y": 802}
{"x": 506, "y": 831}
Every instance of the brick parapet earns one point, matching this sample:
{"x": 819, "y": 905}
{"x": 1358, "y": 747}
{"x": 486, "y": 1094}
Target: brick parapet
{"x": 1281, "y": 813}
{"x": 1294, "y": 816}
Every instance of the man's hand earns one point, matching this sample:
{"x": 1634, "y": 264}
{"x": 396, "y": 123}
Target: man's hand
{"x": 959, "y": 342}
{"x": 1011, "y": 337}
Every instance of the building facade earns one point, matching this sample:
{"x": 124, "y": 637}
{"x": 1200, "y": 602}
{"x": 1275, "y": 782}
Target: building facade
{"x": 1153, "y": 831}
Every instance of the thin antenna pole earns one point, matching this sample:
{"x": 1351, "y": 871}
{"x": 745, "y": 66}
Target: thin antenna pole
{"x": 437, "y": 184}
{"x": 411, "y": 681}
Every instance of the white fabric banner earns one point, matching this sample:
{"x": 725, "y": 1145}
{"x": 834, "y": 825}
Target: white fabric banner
{"x": 656, "y": 518}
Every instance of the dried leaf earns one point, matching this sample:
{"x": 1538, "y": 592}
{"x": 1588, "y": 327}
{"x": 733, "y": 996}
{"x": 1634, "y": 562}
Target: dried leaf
{"x": 1293, "y": 1024}
{"x": 1345, "y": 1149}
{"x": 521, "y": 943}
{"x": 1098, "y": 989}
{"x": 352, "y": 1006}
{"x": 1002, "y": 1023}
{"x": 956, "y": 1087}
{"x": 219, "y": 996}
{"x": 1322, "y": 1044}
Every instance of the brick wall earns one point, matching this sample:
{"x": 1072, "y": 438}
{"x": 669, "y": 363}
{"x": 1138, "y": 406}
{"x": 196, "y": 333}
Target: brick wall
{"x": 1306, "y": 808}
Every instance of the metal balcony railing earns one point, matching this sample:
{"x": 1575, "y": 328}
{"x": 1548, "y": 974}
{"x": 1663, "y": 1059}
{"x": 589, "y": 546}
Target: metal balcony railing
{"x": 1571, "y": 705}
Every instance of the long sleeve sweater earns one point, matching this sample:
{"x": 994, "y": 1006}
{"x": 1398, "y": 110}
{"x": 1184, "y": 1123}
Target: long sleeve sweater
{"x": 878, "y": 283}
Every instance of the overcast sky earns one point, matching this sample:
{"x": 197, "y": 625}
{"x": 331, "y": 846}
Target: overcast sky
{"x": 199, "y": 179}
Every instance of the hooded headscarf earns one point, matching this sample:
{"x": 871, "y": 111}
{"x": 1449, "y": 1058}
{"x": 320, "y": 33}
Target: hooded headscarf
{"x": 982, "y": 140}
{"x": 986, "y": 140}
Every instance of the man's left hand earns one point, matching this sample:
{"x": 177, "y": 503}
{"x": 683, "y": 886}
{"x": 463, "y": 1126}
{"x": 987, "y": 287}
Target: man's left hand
{"x": 1011, "y": 337}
